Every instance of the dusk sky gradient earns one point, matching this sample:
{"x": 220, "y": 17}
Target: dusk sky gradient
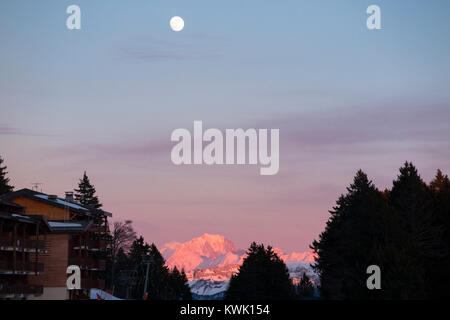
{"x": 106, "y": 99}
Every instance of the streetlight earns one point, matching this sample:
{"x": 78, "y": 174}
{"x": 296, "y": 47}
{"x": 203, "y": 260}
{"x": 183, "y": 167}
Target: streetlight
{"x": 146, "y": 259}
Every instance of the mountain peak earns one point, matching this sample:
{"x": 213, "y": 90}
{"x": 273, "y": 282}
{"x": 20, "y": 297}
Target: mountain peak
{"x": 211, "y": 259}
{"x": 211, "y": 236}
{"x": 192, "y": 253}
{"x": 211, "y": 250}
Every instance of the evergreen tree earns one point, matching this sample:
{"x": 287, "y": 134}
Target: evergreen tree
{"x": 411, "y": 199}
{"x": 405, "y": 231}
{"x": 440, "y": 268}
{"x": 422, "y": 243}
{"x": 5, "y": 187}
{"x": 85, "y": 194}
{"x": 123, "y": 261}
{"x": 139, "y": 248}
{"x": 305, "y": 288}
{"x": 440, "y": 183}
{"x": 262, "y": 276}
{"x": 179, "y": 283}
{"x": 120, "y": 286}
{"x": 162, "y": 284}
{"x": 185, "y": 292}
{"x": 360, "y": 229}
{"x": 159, "y": 283}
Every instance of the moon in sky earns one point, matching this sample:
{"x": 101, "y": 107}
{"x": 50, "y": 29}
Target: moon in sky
{"x": 177, "y": 23}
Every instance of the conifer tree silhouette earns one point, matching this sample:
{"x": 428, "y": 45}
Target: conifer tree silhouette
{"x": 262, "y": 276}
{"x": 85, "y": 194}
{"x": 5, "y": 187}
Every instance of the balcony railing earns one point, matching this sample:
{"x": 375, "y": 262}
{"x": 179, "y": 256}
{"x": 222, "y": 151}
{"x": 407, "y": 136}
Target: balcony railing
{"x": 21, "y": 290}
{"x": 29, "y": 245}
{"x": 92, "y": 245}
{"x": 88, "y": 263}
{"x": 8, "y": 267}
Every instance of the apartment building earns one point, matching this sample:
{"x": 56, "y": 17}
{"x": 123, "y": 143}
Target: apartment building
{"x": 22, "y": 244}
{"x": 77, "y": 235}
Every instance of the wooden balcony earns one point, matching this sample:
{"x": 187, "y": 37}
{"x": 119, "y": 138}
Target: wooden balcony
{"x": 88, "y": 263}
{"x": 88, "y": 244}
{"x": 8, "y": 267}
{"x": 28, "y": 245}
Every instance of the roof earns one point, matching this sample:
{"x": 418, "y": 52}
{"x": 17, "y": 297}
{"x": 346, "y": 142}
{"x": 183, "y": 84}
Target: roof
{"x": 58, "y": 202}
{"x": 10, "y": 205}
{"x": 31, "y": 219}
{"x": 50, "y": 226}
{"x": 69, "y": 226}
{"x": 61, "y": 202}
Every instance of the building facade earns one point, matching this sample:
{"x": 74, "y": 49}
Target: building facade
{"x": 77, "y": 235}
{"x": 22, "y": 245}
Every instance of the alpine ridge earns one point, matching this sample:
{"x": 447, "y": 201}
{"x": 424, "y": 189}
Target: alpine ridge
{"x": 211, "y": 259}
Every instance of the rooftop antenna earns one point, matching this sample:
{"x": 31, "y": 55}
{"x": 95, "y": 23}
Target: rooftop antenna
{"x": 35, "y": 186}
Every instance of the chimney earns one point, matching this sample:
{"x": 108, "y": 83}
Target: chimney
{"x": 69, "y": 196}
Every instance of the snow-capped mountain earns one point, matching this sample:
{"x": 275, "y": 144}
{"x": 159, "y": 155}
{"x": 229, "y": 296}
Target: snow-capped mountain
{"x": 210, "y": 260}
{"x": 199, "y": 252}
{"x": 208, "y": 290}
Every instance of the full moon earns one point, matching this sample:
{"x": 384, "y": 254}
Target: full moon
{"x": 177, "y": 23}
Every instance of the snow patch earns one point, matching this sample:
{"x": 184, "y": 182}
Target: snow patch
{"x": 62, "y": 202}
{"x": 55, "y": 224}
{"x": 208, "y": 288}
{"x": 19, "y": 216}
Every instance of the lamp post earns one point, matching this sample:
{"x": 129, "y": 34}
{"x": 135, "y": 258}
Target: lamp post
{"x": 146, "y": 259}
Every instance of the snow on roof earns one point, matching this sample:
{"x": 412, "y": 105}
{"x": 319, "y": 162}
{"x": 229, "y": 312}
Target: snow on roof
{"x": 55, "y": 224}
{"x": 19, "y": 216}
{"x": 62, "y": 202}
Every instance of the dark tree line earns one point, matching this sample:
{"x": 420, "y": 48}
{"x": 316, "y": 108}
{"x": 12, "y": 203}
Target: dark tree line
{"x": 305, "y": 288}
{"x": 162, "y": 283}
{"x": 262, "y": 276}
{"x": 5, "y": 186}
{"x": 404, "y": 230}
